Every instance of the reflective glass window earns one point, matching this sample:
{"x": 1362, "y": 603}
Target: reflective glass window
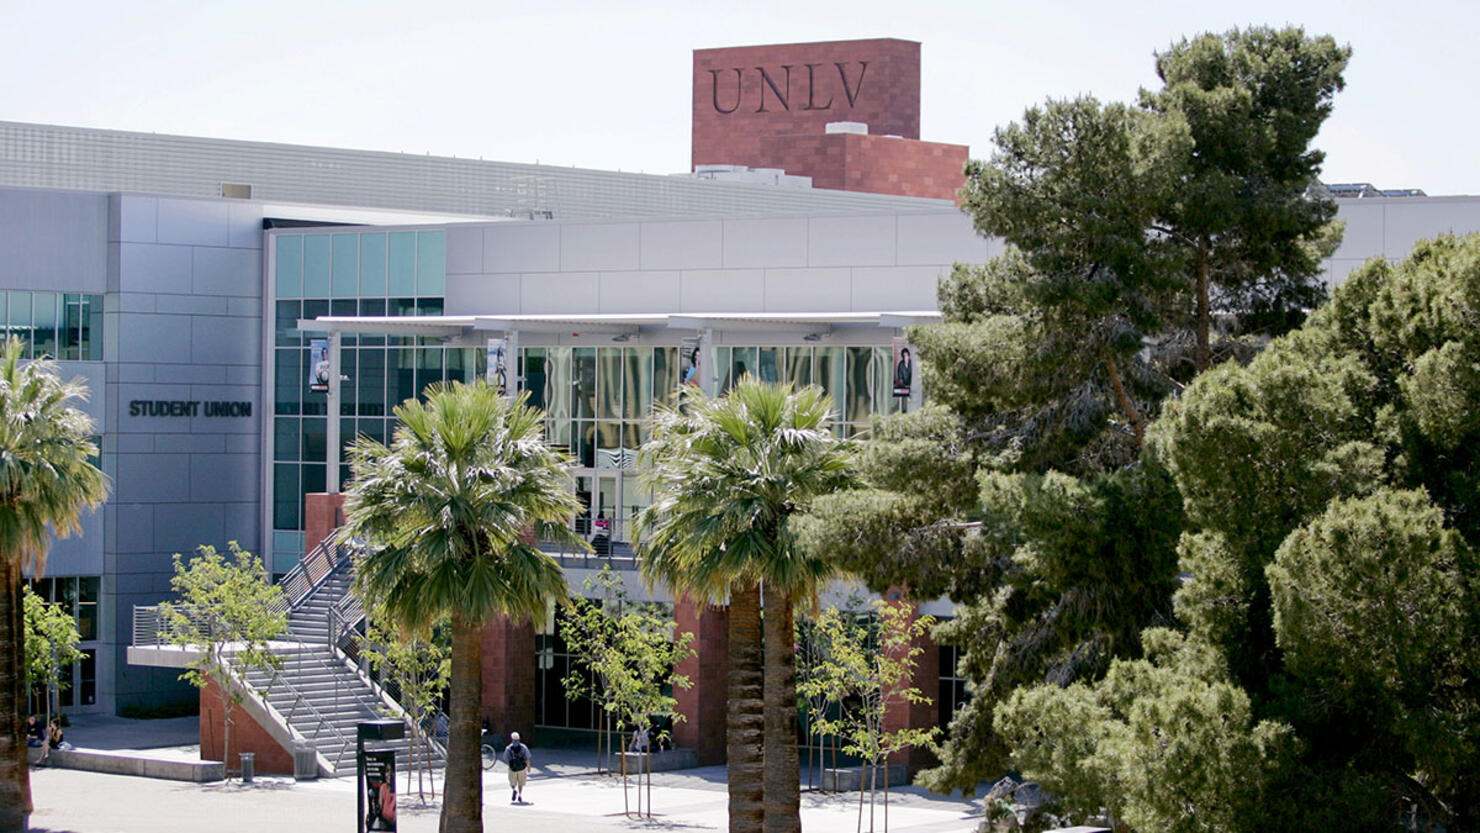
{"x": 289, "y": 267}
{"x": 859, "y": 395}
{"x": 371, "y": 383}
{"x": 315, "y": 439}
{"x": 637, "y": 382}
{"x": 609, "y": 382}
{"x": 316, "y": 266}
{"x": 346, "y": 260}
{"x": 431, "y": 258}
{"x": 285, "y": 497}
{"x": 372, "y": 264}
{"x": 583, "y": 382}
{"x": 285, "y": 326}
{"x": 401, "y": 262}
{"x": 285, "y": 438}
{"x": 19, "y": 322}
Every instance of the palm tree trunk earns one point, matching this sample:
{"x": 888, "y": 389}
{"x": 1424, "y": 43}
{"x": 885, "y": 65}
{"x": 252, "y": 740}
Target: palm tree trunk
{"x": 783, "y": 787}
{"x": 745, "y": 724}
{"x": 15, "y": 781}
{"x": 462, "y": 793}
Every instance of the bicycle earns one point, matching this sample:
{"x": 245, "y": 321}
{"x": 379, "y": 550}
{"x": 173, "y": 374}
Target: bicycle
{"x": 490, "y": 756}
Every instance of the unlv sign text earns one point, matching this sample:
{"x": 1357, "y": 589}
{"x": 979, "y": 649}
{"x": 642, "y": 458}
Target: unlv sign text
{"x": 807, "y": 86}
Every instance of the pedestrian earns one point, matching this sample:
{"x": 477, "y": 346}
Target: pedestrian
{"x": 517, "y": 756}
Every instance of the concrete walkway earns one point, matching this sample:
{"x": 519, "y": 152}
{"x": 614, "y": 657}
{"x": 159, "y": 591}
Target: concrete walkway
{"x": 563, "y": 796}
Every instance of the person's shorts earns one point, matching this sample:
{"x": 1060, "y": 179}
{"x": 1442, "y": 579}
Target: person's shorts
{"x": 518, "y": 779}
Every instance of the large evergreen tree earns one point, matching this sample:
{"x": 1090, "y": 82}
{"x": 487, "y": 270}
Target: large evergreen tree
{"x": 1330, "y": 490}
{"x": 1027, "y": 496}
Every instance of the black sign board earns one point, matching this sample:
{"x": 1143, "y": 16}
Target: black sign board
{"x": 379, "y": 784}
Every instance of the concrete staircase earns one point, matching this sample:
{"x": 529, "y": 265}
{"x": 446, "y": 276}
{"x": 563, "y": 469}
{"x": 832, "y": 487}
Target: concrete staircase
{"x": 318, "y": 692}
{"x": 322, "y": 698}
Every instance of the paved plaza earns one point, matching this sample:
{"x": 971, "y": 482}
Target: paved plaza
{"x": 564, "y": 796}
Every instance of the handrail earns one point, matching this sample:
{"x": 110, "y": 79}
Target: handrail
{"x": 310, "y": 571}
{"x": 152, "y": 629}
{"x": 340, "y": 633}
{"x": 317, "y": 717}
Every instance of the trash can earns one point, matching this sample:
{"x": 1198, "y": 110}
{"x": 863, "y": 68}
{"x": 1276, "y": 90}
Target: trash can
{"x": 248, "y": 766}
{"x": 305, "y": 762}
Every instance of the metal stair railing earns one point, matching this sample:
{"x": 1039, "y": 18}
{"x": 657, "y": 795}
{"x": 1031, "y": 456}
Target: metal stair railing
{"x": 345, "y": 643}
{"x": 311, "y": 570}
{"x": 317, "y": 718}
{"x": 152, "y": 628}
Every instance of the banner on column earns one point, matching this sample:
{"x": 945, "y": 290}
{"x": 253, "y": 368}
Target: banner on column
{"x": 690, "y": 361}
{"x": 498, "y": 365}
{"x": 380, "y": 790}
{"x": 906, "y": 380}
{"x": 318, "y": 365}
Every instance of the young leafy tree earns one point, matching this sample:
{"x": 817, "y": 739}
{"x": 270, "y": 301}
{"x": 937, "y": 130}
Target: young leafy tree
{"x": 228, "y": 614}
{"x": 47, "y": 480}
{"x": 728, "y": 476}
{"x": 625, "y": 655}
{"x": 51, "y": 646}
{"x": 419, "y": 665}
{"x": 452, "y": 512}
{"x": 865, "y": 665}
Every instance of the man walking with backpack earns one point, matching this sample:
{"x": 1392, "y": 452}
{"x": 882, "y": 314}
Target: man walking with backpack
{"x": 517, "y": 756}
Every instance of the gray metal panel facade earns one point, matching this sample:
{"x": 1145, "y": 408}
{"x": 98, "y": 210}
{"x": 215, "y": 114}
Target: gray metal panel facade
{"x": 45, "y": 156}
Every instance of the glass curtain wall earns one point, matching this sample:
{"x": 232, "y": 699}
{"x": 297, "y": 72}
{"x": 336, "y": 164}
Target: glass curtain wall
{"x": 397, "y": 273}
{"x": 597, "y": 400}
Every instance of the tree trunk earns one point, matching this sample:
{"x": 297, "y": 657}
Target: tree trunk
{"x": 745, "y": 723}
{"x": 783, "y": 765}
{"x": 462, "y": 792}
{"x": 1138, "y": 423}
{"x": 1203, "y": 356}
{"x": 15, "y": 780}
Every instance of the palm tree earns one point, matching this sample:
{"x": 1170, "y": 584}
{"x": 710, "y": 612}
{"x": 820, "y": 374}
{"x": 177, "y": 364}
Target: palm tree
{"x": 47, "y": 480}
{"x": 452, "y": 512}
{"x": 728, "y": 475}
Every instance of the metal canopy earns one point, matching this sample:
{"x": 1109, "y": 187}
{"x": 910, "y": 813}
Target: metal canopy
{"x": 452, "y": 326}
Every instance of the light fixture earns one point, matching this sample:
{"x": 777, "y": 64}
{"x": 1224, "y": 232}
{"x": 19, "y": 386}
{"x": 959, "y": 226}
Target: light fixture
{"x": 622, "y": 337}
{"x": 812, "y": 337}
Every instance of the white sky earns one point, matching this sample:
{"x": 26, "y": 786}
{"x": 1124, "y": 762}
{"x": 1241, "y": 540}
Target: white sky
{"x": 606, "y": 84}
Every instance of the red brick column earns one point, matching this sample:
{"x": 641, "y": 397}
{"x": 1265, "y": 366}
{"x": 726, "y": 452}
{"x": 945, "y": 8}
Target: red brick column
{"x": 900, "y": 714}
{"x": 704, "y": 703}
{"x": 322, "y": 514}
{"x": 247, "y": 735}
{"x": 508, "y": 677}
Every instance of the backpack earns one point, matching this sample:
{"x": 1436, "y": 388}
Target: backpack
{"x": 518, "y": 757}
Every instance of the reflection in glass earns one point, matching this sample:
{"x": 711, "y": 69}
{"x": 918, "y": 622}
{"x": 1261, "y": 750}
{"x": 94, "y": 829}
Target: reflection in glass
{"x": 583, "y": 383}
{"x": 799, "y": 366}
{"x": 637, "y": 384}
{"x": 859, "y": 391}
{"x": 665, "y": 374}
{"x": 609, "y": 383}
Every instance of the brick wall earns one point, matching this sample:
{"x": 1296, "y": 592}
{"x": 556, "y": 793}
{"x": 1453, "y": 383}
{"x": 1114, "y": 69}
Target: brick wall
{"x": 247, "y": 735}
{"x": 322, "y": 514}
{"x": 705, "y": 703}
{"x": 874, "y": 164}
{"x": 508, "y": 677}
{"x": 743, "y": 94}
